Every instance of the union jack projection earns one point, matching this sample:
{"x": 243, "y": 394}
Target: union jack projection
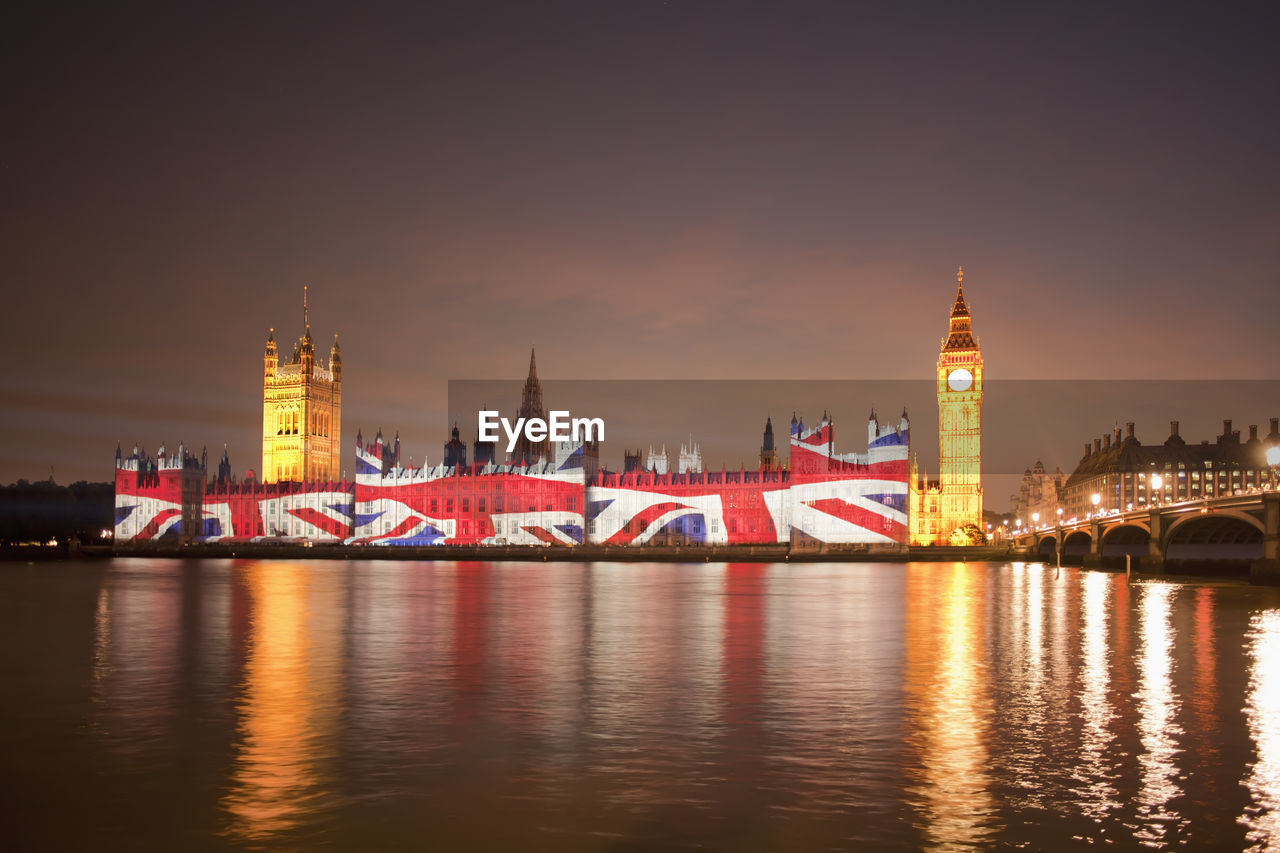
{"x": 725, "y": 508}
{"x": 250, "y": 510}
{"x": 824, "y": 498}
{"x": 538, "y": 504}
{"x": 849, "y": 498}
{"x": 158, "y": 498}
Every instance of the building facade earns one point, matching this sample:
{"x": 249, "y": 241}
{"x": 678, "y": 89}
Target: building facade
{"x": 1126, "y": 474}
{"x": 1039, "y": 493}
{"x": 301, "y": 411}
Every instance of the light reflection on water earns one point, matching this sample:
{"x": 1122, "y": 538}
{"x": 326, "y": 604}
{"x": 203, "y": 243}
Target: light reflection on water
{"x": 946, "y": 680}
{"x": 279, "y": 705}
{"x": 1094, "y": 775}
{"x": 288, "y": 711}
{"x": 1158, "y": 729}
{"x": 1262, "y": 816}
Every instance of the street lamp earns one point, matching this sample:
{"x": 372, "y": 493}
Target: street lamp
{"x": 1273, "y": 460}
{"x": 1095, "y": 499}
{"x": 1035, "y": 519}
{"x": 1156, "y": 483}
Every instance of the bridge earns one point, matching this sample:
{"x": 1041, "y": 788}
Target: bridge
{"x": 1231, "y": 534}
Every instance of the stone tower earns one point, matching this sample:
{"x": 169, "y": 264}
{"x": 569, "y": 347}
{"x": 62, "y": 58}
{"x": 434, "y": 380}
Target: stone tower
{"x": 959, "y": 421}
{"x": 301, "y": 410}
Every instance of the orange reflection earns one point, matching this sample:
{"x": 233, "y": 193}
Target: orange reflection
{"x": 1158, "y": 727}
{"x": 1262, "y": 711}
{"x": 950, "y": 704}
{"x": 1096, "y": 794}
{"x": 1204, "y": 696}
{"x": 288, "y": 711}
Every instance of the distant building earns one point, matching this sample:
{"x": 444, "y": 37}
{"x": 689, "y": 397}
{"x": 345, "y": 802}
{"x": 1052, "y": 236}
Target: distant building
{"x": 656, "y": 463}
{"x": 527, "y": 452}
{"x": 690, "y": 459}
{"x": 631, "y": 461}
{"x": 1039, "y": 492}
{"x": 484, "y": 452}
{"x": 1122, "y": 472}
{"x": 301, "y": 411}
{"x": 455, "y": 450}
{"x": 768, "y": 453}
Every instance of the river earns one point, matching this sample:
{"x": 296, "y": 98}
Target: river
{"x": 252, "y": 704}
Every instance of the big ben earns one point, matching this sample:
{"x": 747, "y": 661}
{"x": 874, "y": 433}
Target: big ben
{"x": 959, "y": 421}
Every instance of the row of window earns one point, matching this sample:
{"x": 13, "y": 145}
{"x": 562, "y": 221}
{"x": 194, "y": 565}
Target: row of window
{"x": 289, "y": 422}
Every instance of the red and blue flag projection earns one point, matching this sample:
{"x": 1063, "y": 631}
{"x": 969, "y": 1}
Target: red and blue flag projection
{"x": 537, "y": 504}
{"x": 849, "y": 498}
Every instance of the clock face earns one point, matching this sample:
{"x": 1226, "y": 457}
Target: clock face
{"x": 960, "y": 379}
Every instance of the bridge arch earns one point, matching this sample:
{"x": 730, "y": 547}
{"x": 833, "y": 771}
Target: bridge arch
{"x": 1223, "y": 542}
{"x": 1047, "y": 547}
{"x": 1207, "y": 527}
{"x": 1075, "y": 545}
{"x": 1127, "y": 539}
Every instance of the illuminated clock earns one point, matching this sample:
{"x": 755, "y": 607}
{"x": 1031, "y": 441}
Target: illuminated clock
{"x": 960, "y": 379}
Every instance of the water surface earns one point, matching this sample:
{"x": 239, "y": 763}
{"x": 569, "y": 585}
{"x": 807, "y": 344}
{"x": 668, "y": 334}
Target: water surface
{"x": 164, "y": 705}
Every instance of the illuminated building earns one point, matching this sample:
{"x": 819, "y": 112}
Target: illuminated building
{"x": 159, "y": 498}
{"x": 1040, "y": 492}
{"x": 690, "y": 459}
{"x": 301, "y": 411}
{"x": 656, "y": 462}
{"x": 819, "y": 498}
{"x": 940, "y": 508}
{"x": 1120, "y": 469}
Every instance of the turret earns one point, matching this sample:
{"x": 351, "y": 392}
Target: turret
{"x": 306, "y": 352}
{"x": 269, "y": 358}
{"x": 335, "y": 359}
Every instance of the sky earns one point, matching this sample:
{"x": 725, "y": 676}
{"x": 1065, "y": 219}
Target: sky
{"x": 644, "y": 190}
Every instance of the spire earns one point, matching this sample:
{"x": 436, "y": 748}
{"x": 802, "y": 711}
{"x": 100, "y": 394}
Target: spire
{"x": 960, "y": 334}
{"x": 533, "y": 364}
{"x": 306, "y": 319}
{"x": 960, "y": 308}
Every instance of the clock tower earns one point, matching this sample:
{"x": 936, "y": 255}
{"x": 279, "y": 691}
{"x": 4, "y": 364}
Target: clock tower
{"x": 959, "y": 422}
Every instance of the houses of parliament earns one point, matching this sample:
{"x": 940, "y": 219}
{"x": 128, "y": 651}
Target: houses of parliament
{"x": 302, "y": 407}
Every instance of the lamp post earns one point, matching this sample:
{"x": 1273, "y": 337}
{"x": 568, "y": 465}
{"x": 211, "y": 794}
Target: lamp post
{"x": 1157, "y": 482}
{"x": 1035, "y": 520}
{"x": 1095, "y": 499}
{"x": 1273, "y": 461}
